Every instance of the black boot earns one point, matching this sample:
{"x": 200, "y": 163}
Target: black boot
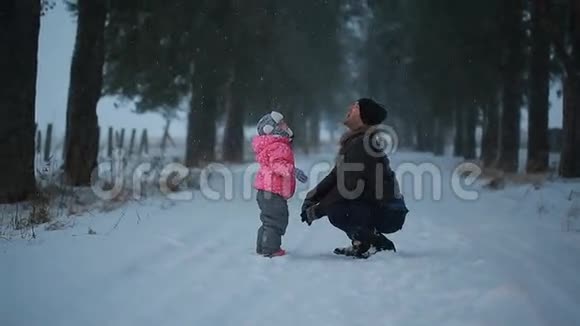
{"x": 362, "y": 240}
{"x": 361, "y": 249}
{"x": 381, "y": 243}
{"x": 357, "y": 250}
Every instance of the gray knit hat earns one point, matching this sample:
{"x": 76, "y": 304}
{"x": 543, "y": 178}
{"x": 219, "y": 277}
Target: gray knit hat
{"x": 268, "y": 125}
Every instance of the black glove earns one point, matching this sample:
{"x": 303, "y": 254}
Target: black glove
{"x": 307, "y": 204}
{"x": 310, "y": 214}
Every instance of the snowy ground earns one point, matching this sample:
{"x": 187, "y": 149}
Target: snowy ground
{"x": 503, "y": 259}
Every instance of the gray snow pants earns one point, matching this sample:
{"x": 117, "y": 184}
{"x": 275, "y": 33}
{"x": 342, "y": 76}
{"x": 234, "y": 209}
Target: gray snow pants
{"x": 274, "y": 217}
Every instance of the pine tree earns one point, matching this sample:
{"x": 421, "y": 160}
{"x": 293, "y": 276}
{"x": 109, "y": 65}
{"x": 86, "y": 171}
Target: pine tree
{"x": 512, "y": 93}
{"x": 86, "y": 77}
{"x": 490, "y": 137}
{"x": 19, "y": 30}
{"x": 538, "y": 150}
{"x": 570, "y": 157}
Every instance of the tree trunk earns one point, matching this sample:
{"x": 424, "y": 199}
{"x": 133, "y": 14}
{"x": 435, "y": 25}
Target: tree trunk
{"x": 469, "y": 142}
{"x": 420, "y": 143}
{"x": 490, "y": 139}
{"x": 86, "y": 78}
{"x": 19, "y": 29}
{"x": 538, "y": 148}
{"x": 296, "y": 121}
{"x": 233, "y": 143}
{"x": 165, "y": 136}
{"x": 570, "y": 158}
{"x": 132, "y": 141}
{"x": 314, "y": 133}
{"x": 438, "y": 143}
{"x": 512, "y": 86}
{"x": 424, "y": 129}
{"x": 459, "y": 139}
{"x": 201, "y": 127}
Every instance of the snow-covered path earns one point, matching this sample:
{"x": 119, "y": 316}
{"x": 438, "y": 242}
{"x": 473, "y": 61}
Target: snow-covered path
{"x": 495, "y": 261}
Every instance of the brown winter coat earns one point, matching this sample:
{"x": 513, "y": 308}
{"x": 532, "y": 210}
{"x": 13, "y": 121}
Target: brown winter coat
{"x": 378, "y": 180}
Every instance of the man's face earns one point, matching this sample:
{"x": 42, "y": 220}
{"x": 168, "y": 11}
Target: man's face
{"x": 353, "y": 120}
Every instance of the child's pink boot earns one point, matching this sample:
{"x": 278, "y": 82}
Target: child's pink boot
{"x": 279, "y": 253}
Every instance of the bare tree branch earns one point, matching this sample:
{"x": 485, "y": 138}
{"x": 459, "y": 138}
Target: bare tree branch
{"x": 117, "y": 223}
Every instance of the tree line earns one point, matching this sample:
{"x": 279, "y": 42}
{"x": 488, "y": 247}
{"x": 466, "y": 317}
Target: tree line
{"x": 442, "y": 67}
{"x": 223, "y": 60}
{"x": 454, "y": 65}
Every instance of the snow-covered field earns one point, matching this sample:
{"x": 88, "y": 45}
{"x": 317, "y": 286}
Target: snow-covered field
{"x": 507, "y": 258}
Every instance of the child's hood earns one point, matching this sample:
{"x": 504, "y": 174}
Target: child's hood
{"x": 260, "y": 143}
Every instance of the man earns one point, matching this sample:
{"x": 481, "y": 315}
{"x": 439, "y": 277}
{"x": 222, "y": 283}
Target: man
{"x": 360, "y": 195}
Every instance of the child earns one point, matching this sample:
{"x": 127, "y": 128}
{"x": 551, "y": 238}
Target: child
{"x": 274, "y": 181}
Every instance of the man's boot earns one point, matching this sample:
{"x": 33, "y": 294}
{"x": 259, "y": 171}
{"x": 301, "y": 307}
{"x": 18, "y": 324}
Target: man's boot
{"x": 357, "y": 250}
{"x": 361, "y": 245}
{"x": 381, "y": 243}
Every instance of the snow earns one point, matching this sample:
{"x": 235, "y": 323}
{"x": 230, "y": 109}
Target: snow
{"x": 503, "y": 259}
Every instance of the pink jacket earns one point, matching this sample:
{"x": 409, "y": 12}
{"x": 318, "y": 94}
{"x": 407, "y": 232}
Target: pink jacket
{"x": 276, "y": 159}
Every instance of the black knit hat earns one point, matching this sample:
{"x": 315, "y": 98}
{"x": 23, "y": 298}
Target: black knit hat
{"x": 371, "y": 112}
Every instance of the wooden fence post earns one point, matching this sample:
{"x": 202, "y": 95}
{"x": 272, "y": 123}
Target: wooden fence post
{"x": 110, "y": 143}
{"x": 98, "y": 140}
{"x": 122, "y": 139}
{"x": 132, "y": 141}
{"x": 48, "y": 143}
{"x": 163, "y": 142}
{"x": 144, "y": 145}
{"x": 38, "y": 142}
